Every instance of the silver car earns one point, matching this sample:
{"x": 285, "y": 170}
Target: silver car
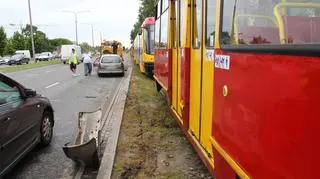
{"x": 110, "y": 64}
{"x": 5, "y": 60}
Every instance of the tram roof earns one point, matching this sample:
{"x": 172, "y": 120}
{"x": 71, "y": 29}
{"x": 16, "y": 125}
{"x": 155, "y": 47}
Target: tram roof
{"x": 148, "y": 21}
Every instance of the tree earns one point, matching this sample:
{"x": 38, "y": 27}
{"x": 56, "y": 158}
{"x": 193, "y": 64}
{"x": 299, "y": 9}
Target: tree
{"x": 146, "y": 9}
{"x": 134, "y": 31}
{"x": 85, "y": 47}
{"x": 18, "y": 41}
{"x": 41, "y": 43}
{"x": 3, "y": 40}
{"x": 60, "y": 41}
{"x": 27, "y": 30}
{"x": 9, "y": 50}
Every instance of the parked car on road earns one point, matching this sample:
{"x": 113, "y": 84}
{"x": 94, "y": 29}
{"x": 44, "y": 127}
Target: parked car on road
{"x": 4, "y": 60}
{"x": 56, "y": 56}
{"x": 110, "y": 64}
{"x": 45, "y": 56}
{"x": 26, "y": 53}
{"x": 26, "y": 119}
{"x": 18, "y": 59}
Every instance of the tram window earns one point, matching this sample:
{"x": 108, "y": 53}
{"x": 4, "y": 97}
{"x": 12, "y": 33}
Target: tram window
{"x": 146, "y": 41}
{"x": 159, "y": 9}
{"x": 197, "y": 24}
{"x": 165, "y": 5}
{"x": 164, "y": 30}
{"x": 175, "y": 24}
{"x": 253, "y": 22}
{"x": 182, "y": 12}
{"x": 151, "y": 42}
{"x": 157, "y": 34}
{"x": 210, "y": 23}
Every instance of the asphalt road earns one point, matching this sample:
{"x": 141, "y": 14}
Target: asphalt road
{"x": 69, "y": 95}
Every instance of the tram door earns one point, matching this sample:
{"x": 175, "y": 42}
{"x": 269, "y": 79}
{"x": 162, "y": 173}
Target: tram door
{"x": 196, "y": 67}
{"x": 201, "y": 71}
{"x": 176, "y": 55}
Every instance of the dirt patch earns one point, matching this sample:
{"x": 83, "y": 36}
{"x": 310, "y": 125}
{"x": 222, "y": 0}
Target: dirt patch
{"x": 151, "y": 144}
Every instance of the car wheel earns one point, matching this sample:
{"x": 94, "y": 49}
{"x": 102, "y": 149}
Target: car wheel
{"x": 64, "y": 62}
{"x": 122, "y": 74}
{"x": 99, "y": 75}
{"x": 27, "y": 62}
{"x": 46, "y": 129}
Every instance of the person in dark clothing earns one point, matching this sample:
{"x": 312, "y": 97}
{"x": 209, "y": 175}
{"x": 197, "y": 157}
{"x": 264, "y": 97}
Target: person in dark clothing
{"x": 115, "y": 47}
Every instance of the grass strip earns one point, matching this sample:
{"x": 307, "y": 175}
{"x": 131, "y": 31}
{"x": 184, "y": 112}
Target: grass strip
{"x": 29, "y": 66}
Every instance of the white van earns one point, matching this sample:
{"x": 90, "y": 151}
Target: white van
{"x": 26, "y": 53}
{"x": 66, "y": 53}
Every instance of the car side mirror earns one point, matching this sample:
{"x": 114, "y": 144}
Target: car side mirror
{"x": 30, "y": 93}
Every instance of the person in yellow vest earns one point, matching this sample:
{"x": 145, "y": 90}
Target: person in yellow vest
{"x": 73, "y": 61}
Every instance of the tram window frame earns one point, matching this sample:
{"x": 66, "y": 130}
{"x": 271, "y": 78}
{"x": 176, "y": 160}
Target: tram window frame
{"x": 145, "y": 41}
{"x": 157, "y": 33}
{"x": 181, "y": 13}
{"x": 164, "y": 5}
{"x": 167, "y": 30}
{"x": 159, "y": 7}
{"x": 197, "y": 44}
{"x": 163, "y": 10}
{"x": 208, "y": 46}
{"x": 312, "y": 50}
{"x": 175, "y": 25}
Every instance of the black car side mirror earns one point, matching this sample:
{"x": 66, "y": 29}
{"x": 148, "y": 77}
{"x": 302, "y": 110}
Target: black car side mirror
{"x": 30, "y": 93}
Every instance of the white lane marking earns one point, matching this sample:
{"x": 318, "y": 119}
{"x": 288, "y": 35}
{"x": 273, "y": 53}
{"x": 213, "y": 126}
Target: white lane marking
{"x": 48, "y": 71}
{"x": 52, "y": 85}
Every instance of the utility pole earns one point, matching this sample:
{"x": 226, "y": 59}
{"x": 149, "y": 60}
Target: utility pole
{"x": 92, "y": 36}
{"x": 76, "y": 21}
{"x": 31, "y": 31}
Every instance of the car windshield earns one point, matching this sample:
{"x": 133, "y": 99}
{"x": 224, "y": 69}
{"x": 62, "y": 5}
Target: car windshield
{"x": 110, "y": 59}
{"x": 6, "y": 57}
{"x": 45, "y": 53}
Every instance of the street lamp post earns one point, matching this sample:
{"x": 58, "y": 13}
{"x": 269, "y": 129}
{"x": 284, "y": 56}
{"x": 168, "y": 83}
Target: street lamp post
{"x": 76, "y": 21}
{"x": 31, "y": 31}
{"x": 92, "y": 36}
{"x": 92, "y": 32}
{"x": 100, "y": 37}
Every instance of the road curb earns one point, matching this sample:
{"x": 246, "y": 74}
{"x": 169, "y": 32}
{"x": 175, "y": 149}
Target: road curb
{"x": 112, "y": 128}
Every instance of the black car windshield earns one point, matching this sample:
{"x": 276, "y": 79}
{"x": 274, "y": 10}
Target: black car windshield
{"x": 110, "y": 59}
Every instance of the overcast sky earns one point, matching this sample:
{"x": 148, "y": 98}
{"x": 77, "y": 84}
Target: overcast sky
{"x": 114, "y": 18}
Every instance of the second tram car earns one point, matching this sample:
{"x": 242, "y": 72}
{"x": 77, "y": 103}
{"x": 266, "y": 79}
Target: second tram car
{"x": 144, "y": 43}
